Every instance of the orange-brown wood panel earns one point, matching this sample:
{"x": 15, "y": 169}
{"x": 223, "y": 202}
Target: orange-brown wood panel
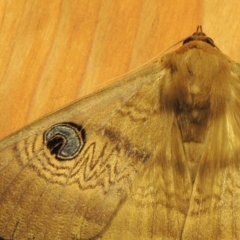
{"x": 53, "y": 52}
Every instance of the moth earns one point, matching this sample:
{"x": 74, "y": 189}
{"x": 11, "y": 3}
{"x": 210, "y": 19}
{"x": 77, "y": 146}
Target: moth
{"x": 155, "y": 156}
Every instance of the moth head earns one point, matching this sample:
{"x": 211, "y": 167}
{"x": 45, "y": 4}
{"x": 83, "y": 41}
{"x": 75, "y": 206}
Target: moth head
{"x": 199, "y": 35}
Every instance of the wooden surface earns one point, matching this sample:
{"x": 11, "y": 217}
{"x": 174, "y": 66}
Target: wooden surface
{"x": 53, "y": 52}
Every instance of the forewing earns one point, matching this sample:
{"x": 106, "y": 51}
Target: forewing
{"x": 42, "y": 197}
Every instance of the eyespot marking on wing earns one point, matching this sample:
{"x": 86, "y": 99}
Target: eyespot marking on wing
{"x": 65, "y": 140}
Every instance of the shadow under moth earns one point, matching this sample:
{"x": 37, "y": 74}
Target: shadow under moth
{"x": 155, "y": 156}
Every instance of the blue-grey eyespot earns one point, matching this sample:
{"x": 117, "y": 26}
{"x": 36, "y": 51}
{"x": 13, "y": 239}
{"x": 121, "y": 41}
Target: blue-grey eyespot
{"x": 65, "y": 140}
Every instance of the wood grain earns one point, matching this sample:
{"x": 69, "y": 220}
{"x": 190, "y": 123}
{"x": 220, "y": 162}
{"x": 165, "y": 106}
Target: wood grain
{"x": 55, "y": 52}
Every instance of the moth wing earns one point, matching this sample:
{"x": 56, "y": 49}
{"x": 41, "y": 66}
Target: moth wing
{"x": 42, "y": 197}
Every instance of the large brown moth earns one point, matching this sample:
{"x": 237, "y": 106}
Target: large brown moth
{"x": 155, "y": 156}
